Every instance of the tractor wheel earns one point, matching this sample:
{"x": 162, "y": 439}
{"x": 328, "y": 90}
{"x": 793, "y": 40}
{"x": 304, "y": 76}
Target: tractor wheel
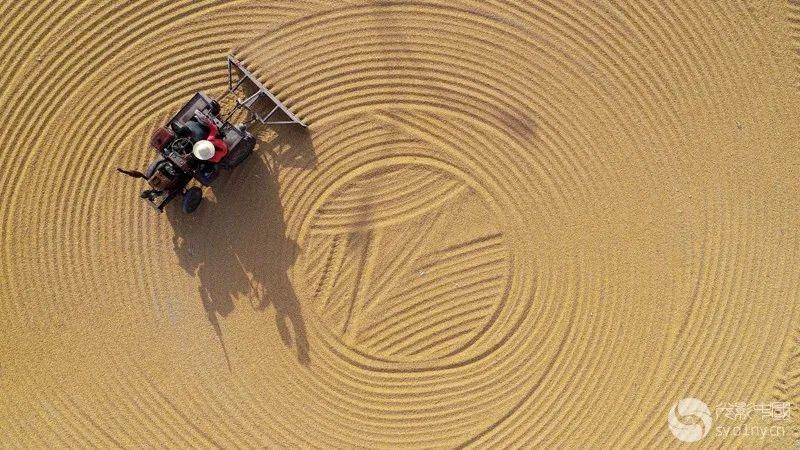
{"x": 242, "y": 151}
{"x": 191, "y": 199}
{"x": 151, "y": 169}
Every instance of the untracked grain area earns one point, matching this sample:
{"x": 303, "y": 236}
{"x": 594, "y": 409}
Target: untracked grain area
{"x": 508, "y": 223}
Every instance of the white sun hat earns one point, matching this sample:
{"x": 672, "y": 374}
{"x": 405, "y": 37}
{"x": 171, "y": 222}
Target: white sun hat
{"x": 203, "y": 150}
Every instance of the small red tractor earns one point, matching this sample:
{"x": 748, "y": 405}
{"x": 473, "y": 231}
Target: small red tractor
{"x": 200, "y": 140}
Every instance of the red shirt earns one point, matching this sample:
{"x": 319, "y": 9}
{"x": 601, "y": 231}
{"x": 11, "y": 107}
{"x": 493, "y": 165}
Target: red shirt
{"x": 221, "y": 149}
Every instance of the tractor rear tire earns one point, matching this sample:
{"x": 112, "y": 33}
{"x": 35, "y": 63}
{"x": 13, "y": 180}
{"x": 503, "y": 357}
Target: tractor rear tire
{"x": 242, "y": 152}
{"x": 191, "y": 199}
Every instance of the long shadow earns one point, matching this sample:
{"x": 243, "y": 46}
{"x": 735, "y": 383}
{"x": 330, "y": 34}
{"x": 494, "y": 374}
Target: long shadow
{"x": 237, "y": 246}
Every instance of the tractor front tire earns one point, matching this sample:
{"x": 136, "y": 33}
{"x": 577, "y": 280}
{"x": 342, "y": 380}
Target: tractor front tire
{"x": 191, "y": 199}
{"x": 151, "y": 169}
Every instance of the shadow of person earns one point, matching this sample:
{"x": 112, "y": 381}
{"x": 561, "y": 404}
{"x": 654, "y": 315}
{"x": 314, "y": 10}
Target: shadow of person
{"x": 235, "y": 243}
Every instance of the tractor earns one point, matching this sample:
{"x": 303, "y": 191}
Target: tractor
{"x": 200, "y": 139}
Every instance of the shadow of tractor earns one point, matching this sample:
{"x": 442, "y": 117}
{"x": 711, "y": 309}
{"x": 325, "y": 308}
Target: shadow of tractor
{"x": 237, "y": 245}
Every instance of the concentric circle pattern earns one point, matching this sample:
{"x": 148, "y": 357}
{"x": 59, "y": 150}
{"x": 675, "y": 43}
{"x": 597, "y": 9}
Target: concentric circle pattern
{"x": 521, "y": 224}
{"x": 395, "y": 277}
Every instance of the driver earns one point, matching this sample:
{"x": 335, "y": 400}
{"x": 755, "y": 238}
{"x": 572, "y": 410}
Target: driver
{"x": 215, "y": 138}
{"x": 196, "y": 128}
{"x": 209, "y": 152}
{"x": 205, "y": 151}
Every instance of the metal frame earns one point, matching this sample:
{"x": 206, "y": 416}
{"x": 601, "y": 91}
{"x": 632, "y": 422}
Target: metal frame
{"x": 261, "y": 93}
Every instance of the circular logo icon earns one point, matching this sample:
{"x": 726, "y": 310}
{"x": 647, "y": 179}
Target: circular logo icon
{"x": 689, "y": 419}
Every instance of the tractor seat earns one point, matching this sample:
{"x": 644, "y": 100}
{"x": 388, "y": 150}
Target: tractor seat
{"x": 193, "y": 129}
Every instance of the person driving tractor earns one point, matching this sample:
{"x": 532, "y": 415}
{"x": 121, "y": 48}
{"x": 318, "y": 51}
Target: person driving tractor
{"x": 205, "y": 152}
{"x": 215, "y": 138}
{"x": 209, "y": 152}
